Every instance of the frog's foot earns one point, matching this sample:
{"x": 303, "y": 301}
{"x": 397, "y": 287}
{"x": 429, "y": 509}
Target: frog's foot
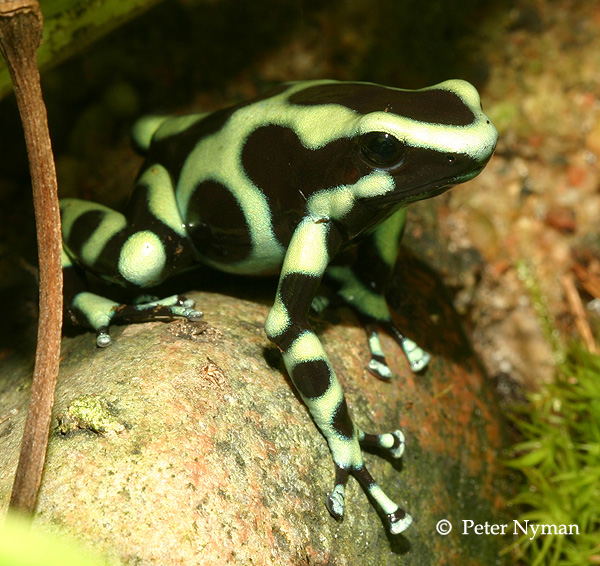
{"x": 378, "y": 366}
{"x": 397, "y": 519}
{"x": 416, "y": 356}
{"x": 99, "y": 313}
{"x": 319, "y": 304}
{"x": 169, "y": 307}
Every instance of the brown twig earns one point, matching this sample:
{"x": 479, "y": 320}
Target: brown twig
{"x": 576, "y": 306}
{"x": 20, "y": 35}
{"x": 589, "y": 280}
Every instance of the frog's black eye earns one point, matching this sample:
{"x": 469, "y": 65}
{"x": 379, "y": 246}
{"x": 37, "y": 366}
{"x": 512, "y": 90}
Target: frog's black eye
{"x": 381, "y": 149}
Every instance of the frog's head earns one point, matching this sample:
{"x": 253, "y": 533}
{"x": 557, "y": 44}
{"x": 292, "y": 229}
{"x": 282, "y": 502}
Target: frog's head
{"x": 427, "y": 140}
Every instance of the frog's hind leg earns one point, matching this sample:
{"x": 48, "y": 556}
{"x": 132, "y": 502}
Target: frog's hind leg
{"x": 125, "y": 249}
{"x": 361, "y": 286}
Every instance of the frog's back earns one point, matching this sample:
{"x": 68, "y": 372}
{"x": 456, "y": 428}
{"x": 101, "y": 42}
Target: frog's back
{"x": 242, "y": 177}
{"x": 245, "y": 177}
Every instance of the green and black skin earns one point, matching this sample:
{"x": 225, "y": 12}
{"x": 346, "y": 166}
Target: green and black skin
{"x": 280, "y": 185}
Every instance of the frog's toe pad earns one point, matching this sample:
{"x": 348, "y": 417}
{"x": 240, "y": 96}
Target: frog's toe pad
{"x": 335, "y": 502}
{"x": 194, "y": 315}
{"x": 379, "y": 368}
{"x": 399, "y": 521}
{"x": 417, "y": 357}
{"x": 103, "y": 338}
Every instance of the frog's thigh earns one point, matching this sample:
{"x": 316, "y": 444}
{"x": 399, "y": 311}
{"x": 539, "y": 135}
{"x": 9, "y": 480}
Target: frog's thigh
{"x": 139, "y": 249}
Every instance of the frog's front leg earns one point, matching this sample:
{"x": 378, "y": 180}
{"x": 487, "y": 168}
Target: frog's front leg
{"x": 314, "y": 242}
{"x": 362, "y": 285}
{"x": 139, "y": 250}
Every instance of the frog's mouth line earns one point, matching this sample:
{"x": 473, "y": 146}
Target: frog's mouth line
{"x": 426, "y": 191}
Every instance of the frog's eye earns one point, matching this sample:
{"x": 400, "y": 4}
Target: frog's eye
{"x": 381, "y": 149}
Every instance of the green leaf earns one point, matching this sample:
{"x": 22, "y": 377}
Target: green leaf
{"x": 22, "y": 544}
{"x": 71, "y": 25}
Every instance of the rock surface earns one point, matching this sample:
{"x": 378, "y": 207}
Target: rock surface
{"x": 187, "y": 445}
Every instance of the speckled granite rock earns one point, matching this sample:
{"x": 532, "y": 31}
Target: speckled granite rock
{"x": 199, "y": 452}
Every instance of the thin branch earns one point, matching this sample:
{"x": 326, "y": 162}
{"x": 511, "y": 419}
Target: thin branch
{"x": 578, "y": 311}
{"x": 20, "y": 35}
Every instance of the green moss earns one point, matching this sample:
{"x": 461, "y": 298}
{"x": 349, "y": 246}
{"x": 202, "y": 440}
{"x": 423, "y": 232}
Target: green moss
{"x": 559, "y": 457}
{"x": 89, "y": 412}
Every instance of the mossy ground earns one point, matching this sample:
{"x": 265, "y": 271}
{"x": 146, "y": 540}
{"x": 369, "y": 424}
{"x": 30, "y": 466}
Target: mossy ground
{"x": 558, "y": 457}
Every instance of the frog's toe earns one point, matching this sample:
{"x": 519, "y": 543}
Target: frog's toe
{"x": 319, "y": 304}
{"x": 417, "y": 357}
{"x": 377, "y": 365}
{"x": 379, "y": 368}
{"x": 398, "y": 444}
{"x": 195, "y": 316}
{"x": 191, "y": 314}
{"x": 393, "y": 443}
{"x": 103, "y": 338}
{"x": 335, "y": 502}
{"x": 398, "y": 522}
{"x": 396, "y": 518}
{"x": 175, "y": 306}
{"x": 188, "y": 303}
{"x": 185, "y": 308}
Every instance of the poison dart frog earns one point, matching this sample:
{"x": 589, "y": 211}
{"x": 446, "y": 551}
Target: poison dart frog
{"x": 280, "y": 185}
